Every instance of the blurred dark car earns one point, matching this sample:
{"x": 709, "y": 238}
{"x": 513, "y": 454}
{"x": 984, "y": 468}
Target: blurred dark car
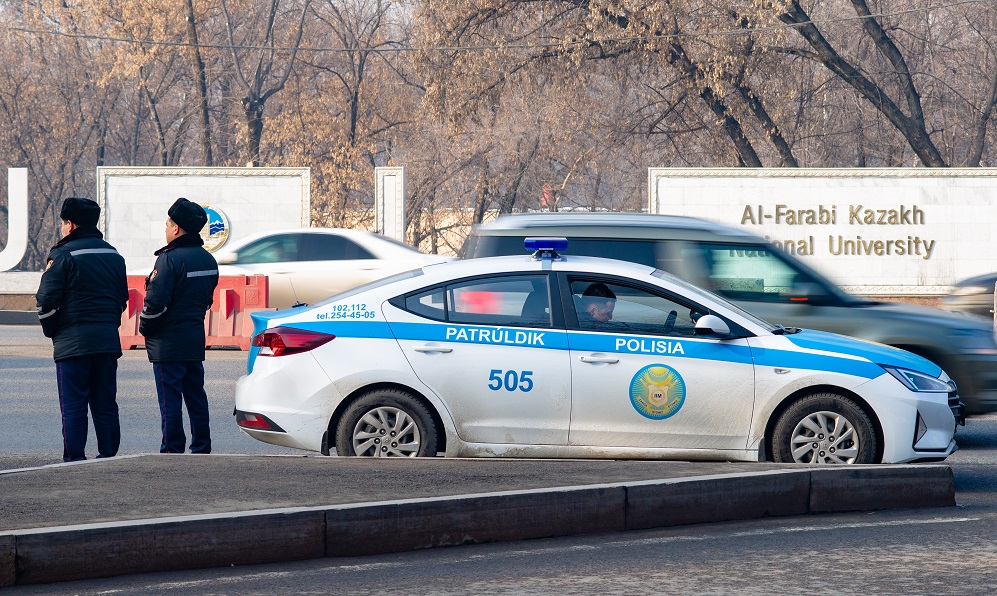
{"x": 765, "y": 281}
{"x": 974, "y": 295}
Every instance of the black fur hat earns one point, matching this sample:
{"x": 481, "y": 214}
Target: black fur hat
{"x": 188, "y": 215}
{"x": 82, "y": 212}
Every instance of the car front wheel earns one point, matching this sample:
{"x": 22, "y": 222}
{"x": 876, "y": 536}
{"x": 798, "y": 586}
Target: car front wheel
{"x": 824, "y": 429}
{"x": 386, "y": 423}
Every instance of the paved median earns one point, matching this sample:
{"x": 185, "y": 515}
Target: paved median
{"x": 165, "y": 513}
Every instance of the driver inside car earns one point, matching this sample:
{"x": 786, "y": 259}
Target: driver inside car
{"x": 597, "y": 304}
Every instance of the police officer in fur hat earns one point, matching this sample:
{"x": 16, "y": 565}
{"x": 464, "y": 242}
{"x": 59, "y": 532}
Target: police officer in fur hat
{"x": 178, "y": 294}
{"x": 82, "y": 294}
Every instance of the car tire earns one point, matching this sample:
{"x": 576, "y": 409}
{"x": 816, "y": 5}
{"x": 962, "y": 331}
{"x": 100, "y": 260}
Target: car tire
{"x": 805, "y": 432}
{"x": 386, "y": 423}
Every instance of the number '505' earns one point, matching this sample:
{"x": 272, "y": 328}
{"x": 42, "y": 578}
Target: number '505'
{"x": 510, "y": 380}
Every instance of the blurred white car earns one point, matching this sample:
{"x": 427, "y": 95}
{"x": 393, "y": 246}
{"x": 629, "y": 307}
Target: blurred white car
{"x": 308, "y": 264}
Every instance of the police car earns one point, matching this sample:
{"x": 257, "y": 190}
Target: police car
{"x": 553, "y": 355}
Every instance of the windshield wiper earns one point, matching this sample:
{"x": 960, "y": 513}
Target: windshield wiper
{"x": 780, "y": 330}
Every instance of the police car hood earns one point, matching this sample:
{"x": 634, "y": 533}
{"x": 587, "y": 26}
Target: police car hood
{"x": 874, "y": 352}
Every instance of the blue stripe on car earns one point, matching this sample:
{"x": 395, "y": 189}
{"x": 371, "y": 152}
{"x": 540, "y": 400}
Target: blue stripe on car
{"x": 675, "y": 347}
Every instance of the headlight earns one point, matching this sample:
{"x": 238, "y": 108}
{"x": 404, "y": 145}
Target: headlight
{"x": 973, "y": 341}
{"x": 919, "y": 382}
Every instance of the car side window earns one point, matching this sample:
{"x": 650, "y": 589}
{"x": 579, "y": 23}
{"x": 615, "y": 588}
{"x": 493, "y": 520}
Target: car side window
{"x": 429, "y": 304}
{"x": 752, "y": 273}
{"x": 331, "y": 247}
{"x": 518, "y": 300}
{"x": 274, "y": 249}
{"x": 602, "y": 305}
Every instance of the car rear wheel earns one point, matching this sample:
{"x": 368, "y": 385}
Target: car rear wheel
{"x": 386, "y": 423}
{"x": 825, "y": 428}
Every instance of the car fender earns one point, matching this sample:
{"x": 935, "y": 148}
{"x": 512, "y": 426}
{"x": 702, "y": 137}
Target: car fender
{"x": 353, "y": 385}
{"x": 781, "y": 389}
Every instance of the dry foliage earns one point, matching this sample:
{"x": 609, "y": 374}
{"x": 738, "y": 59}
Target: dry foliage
{"x": 491, "y": 105}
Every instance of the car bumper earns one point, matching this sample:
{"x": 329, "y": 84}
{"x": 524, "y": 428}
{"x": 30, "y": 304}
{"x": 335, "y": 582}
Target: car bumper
{"x": 916, "y": 426}
{"x": 296, "y": 397}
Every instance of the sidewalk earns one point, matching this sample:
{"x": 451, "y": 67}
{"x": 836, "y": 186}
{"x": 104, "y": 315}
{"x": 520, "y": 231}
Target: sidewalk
{"x": 162, "y": 513}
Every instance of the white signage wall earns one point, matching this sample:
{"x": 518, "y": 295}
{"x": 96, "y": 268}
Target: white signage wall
{"x": 240, "y": 202}
{"x": 16, "y": 244}
{"x": 875, "y": 231}
{"x": 389, "y": 202}
{"x": 17, "y": 219}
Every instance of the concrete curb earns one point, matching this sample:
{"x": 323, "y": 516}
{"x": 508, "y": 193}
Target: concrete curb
{"x": 893, "y": 487}
{"x": 278, "y": 535}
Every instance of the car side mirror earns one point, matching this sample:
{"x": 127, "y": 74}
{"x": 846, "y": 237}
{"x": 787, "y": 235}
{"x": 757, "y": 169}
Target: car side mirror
{"x": 226, "y": 259}
{"x": 711, "y": 325}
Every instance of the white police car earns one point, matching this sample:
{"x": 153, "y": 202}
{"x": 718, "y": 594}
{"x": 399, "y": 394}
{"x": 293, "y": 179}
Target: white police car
{"x": 561, "y": 356}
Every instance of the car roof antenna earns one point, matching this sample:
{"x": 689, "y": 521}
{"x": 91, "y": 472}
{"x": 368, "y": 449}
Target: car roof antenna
{"x": 297, "y": 303}
{"x": 546, "y": 248}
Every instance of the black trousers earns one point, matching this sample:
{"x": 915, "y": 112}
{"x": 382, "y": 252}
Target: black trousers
{"x": 88, "y": 382}
{"x": 179, "y": 383}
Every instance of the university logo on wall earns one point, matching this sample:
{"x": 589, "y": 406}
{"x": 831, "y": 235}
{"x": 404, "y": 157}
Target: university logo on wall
{"x": 215, "y": 233}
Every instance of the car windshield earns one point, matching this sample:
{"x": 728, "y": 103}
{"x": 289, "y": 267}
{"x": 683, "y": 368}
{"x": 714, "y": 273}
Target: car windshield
{"x": 370, "y": 286}
{"x": 694, "y": 291}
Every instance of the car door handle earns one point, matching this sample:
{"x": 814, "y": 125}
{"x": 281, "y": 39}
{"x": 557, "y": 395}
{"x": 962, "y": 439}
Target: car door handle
{"x": 599, "y": 359}
{"x": 429, "y": 349}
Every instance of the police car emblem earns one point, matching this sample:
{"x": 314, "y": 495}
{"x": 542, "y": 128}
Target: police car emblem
{"x": 657, "y": 391}
{"x": 215, "y": 233}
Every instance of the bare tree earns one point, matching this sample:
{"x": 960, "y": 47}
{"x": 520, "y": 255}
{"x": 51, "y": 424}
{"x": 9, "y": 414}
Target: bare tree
{"x": 200, "y": 83}
{"x": 911, "y": 123}
{"x": 256, "y": 58}
{"x": 53, "y": 122}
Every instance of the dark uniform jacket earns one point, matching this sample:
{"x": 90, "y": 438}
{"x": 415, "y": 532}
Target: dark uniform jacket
{"x": 177, "y": 294}
{"x": 82, "y": 294}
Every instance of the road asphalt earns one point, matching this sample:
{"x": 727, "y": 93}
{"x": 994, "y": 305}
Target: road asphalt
{"x": 155, "y": 512}
{"x": 152, "y": 512}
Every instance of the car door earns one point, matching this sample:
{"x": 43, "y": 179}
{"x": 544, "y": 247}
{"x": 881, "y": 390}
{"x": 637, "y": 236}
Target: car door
{"x": 644, "y": 379}
{"x": 274, "y": 256}
{"x": 488, "y": 346}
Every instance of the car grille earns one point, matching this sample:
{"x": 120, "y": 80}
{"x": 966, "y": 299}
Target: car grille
{"x": 958, "y": 408}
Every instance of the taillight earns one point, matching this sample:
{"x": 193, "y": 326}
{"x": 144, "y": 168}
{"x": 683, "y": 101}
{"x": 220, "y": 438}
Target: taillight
{"x": 256, "y": 421}
{"x": 283, "y": 341}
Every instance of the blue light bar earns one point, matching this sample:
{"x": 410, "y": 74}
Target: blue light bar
{"x": 554, "y": 244}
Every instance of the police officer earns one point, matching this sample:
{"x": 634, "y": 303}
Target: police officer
{"x": 82, "y": 294}
{"x": 178, "y": 293}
